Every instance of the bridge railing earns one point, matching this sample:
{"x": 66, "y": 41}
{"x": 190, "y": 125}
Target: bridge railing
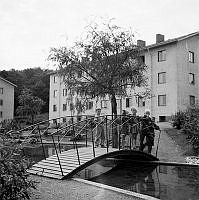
{"x": 87, "y": 128}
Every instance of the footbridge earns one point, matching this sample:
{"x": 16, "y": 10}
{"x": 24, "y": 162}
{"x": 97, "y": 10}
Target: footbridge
{"x": 65, "y": 164}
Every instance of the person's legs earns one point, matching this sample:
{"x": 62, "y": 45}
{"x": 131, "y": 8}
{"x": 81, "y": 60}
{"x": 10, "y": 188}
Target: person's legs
{"x": 149, "y": 149}
{"x": 102, "y": 137}
{"x": 97, "y": 137}
{"x": 142, "y": 145}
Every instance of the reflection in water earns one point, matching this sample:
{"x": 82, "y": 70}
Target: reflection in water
{"x": 164, "y": 182}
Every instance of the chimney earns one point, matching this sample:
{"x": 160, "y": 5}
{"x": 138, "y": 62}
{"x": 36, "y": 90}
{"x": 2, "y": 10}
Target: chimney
{"x": 141, "y": 43}
{"x": 159, "y": 38}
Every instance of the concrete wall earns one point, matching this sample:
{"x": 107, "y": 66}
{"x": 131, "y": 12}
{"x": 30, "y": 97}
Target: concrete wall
{"x": 8, "y": 100}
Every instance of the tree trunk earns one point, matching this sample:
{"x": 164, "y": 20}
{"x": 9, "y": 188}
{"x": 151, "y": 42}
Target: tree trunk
{"x": 114, "y": 105}
{"x": 114, "y": 125}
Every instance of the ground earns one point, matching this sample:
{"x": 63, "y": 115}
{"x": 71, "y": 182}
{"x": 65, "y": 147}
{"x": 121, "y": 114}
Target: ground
{"x": 172, "y": 147}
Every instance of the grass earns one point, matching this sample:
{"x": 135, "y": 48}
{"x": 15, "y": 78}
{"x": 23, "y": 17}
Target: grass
{"x": 180, "y": 139}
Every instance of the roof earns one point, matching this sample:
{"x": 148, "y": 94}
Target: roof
{"x": 174, "y": 40}
{"x": 8, "y": 82}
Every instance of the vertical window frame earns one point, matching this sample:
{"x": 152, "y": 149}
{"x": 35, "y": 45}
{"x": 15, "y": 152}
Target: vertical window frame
{"x": 162, "y": 80}
{"x": 164, "y": 101}
{"x": 127, "y": 102}
{"x": 192, "y": 98}
{"x": 162, "y": 55}
{"x": 191, "y": 78}
{"x": 191, "y": 57}
{"x": 1, "y": 91}
{"x": 54, "y": 108}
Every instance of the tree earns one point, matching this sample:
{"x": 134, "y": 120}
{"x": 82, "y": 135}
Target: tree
{"x": 106, "y": 62}
{"x": 29, "y": 105}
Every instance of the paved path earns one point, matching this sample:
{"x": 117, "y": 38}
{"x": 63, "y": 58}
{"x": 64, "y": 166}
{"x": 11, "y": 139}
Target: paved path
{"x": 168, "y": 150}
{"x": 50, "y": 189}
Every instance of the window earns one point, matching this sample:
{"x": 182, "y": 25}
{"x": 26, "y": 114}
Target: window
{"x": 1, "y": 102}
{"x": 104, "y": 104}
{"x": 191, "y": 79}
{"x": 161, "y": 100}
{"x": 64, "y": 107}
{"x": 55, "y": 79}
{"x": 141, "y": 102}
{"x": 192, "y": 100}
{"x": 191, "y": 56}
{"x": 161, "y": 77}
{"x": 64, "y": 92}
{"x": 142, "y": 58}
{"x": 127, "y": 102}
{"x": 55, "y": 93}
{"x": 161, "y": 55}
{"x": 71, "y": 106}
{"x": 54, "y": 108}
{"x": 90, "y": 105}
{"x": 1, "y": 114}
{"x": 1, "y": 90}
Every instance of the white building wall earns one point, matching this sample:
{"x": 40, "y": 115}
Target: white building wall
{"x": 170, "y": 87}
{"x": 8, "y": 100}
{"x": 184, "y": 67}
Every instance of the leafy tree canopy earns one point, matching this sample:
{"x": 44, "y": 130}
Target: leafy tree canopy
{"x": 35, "y": 79}
{"x": 29, "y": 105}
{"x": 106, "y": 62}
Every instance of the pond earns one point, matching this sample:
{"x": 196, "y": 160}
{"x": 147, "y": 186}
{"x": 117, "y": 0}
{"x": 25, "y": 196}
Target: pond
{"x": 160, "y": 181}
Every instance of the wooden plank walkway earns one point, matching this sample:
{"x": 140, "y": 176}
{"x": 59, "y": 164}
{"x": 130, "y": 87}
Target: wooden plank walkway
{"x": 69, "y": 162}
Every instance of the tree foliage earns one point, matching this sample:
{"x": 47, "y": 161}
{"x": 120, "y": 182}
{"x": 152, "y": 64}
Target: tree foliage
{"x": 29, "y": 105}
{"x": 35, "y": 79}
{"x": 106, "y": 62}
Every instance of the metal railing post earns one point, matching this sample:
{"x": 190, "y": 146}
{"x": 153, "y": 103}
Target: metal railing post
{"x": 77, "y": 153}
{"x": 107, "y": 139}
{"x": 93, "y": 145}
{"x": 57, "y": 156}
{"x": 120, "y": 128}
{"x": 86, "y": 132}
{"x": 42, "y": 143}
{"x": 59, "y": 144}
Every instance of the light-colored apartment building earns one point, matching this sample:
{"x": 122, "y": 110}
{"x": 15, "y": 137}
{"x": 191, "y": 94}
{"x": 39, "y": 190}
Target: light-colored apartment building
{"x": 173, "y": 73}
{"x": 6, "y": 99}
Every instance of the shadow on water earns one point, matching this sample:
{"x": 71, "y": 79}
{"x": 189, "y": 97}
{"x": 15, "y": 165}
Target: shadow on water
{"x": 160, "y": 181}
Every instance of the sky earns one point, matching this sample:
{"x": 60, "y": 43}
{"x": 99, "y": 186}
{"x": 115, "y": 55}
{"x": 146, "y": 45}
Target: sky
{"x": 29, "y": 28}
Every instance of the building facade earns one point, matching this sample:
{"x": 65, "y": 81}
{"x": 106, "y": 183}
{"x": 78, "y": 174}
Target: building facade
{"x": 6, "y": 99}
{"x": 172, "y": 78}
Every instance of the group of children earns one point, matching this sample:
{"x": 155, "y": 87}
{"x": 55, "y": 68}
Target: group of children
{"x": 131, "y": 126}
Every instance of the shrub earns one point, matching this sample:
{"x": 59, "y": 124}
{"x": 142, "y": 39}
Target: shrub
{"x": 179, "y": 119}
{"x": 15, "y": 183}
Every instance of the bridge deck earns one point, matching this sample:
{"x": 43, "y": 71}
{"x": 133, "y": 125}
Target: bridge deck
{"x": 69, "y": 162}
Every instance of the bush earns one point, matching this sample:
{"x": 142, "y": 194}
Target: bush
{"x": 179, "y": 119}
{"x": 188, "y": 121}
{"x": 15, "y": 183}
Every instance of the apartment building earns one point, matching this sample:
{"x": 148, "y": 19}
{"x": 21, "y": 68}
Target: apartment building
{"x": 6, "y": 99}
{"x": 172, "y": 77}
